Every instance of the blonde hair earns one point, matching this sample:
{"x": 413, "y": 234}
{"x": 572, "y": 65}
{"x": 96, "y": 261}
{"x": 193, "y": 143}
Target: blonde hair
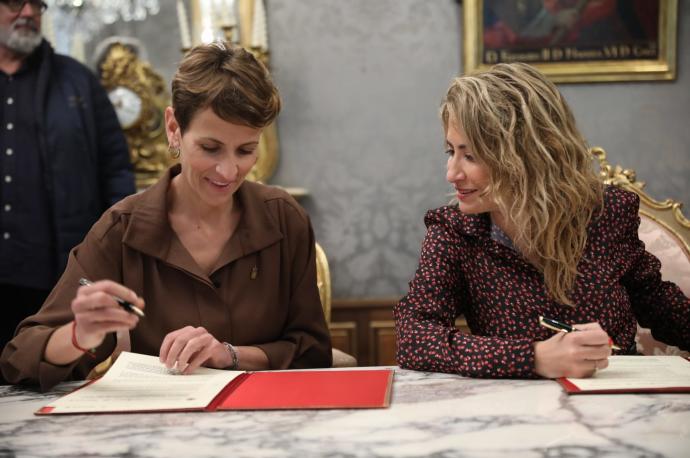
{"x": 541, "y": 173}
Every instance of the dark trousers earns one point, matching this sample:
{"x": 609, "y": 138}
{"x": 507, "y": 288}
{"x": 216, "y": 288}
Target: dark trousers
{"x": 16, "y": 303}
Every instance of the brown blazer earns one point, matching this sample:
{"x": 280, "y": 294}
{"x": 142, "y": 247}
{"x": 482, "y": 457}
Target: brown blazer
{"x": 262, "y": 292}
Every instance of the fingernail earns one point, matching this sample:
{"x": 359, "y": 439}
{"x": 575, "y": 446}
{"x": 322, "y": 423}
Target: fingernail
{"x": 610, "y": 342}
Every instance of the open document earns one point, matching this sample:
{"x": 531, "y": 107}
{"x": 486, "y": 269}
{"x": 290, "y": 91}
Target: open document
{"x": 141, "y": 383}
{"x": 635, "y": 374}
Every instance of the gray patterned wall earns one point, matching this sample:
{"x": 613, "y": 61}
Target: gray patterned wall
{"x": 361, "y": 82}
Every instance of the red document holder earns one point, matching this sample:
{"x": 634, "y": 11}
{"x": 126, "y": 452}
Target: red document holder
{"x": 347, "y": 389}
{"x": 571, "y": 388}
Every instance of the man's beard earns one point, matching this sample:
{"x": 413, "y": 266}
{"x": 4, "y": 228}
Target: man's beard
{"x": 21, "y": 40}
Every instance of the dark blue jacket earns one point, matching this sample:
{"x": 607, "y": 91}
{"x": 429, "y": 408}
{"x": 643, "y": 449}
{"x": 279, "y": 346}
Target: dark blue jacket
{"x": 86, "y": 164}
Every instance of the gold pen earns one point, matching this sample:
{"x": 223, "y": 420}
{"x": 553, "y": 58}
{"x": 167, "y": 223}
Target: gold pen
{"x": 557, "y": 326}
{"x": 131, "y": 308}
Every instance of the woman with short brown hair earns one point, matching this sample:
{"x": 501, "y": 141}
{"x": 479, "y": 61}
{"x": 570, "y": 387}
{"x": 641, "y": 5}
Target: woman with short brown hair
{"x": 223, "y": 268}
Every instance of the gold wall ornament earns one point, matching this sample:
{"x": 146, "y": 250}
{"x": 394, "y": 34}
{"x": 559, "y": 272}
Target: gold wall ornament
{"x": 667, "y": 213}
{"x": 139, "y": 96}
{"x": 267, "y": 153}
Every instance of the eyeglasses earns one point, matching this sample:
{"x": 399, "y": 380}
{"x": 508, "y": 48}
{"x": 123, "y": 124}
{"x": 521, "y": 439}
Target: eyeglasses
{"x": 16, "y": 5}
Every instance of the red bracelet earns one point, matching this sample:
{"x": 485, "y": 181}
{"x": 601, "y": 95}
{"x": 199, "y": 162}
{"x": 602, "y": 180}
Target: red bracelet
{"x": 91, "y": 352}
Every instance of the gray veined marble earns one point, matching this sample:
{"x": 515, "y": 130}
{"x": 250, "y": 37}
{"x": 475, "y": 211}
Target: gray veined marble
{"x": 437, "y": 415}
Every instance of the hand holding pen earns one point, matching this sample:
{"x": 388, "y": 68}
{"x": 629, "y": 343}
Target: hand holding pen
{"x": 572, "y": 354}
{"x": 100, "y": 308}
{"x": 557, "y": 326}
{"x": 123, "y": 303}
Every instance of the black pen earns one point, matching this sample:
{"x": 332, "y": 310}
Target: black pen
{"x": 557, "y": 326}
{"x": 123, "y": 303}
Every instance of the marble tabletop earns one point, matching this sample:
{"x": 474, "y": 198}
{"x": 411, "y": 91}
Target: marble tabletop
{"x": 437, "y": 415}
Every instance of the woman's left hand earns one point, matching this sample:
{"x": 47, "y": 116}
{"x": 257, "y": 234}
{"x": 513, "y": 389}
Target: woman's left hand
{"x": 191, "y": 347}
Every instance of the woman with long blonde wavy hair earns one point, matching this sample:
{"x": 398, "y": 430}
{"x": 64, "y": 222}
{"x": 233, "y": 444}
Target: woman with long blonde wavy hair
{"x": 534, "y": 233}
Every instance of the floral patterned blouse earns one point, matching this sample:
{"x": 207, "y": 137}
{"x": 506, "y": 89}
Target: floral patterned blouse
{"x": 463, "y": 270}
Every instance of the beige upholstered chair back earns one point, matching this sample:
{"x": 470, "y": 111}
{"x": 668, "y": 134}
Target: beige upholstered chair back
{"x": 665, "y": 233}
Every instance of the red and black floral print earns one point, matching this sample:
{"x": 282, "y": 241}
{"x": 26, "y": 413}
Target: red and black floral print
{"x": 462, "y": 270}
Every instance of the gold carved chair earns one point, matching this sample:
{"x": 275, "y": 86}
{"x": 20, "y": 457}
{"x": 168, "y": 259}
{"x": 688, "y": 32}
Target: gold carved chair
{"x": 665, "y": 233}
{"x": 323, "y": 281}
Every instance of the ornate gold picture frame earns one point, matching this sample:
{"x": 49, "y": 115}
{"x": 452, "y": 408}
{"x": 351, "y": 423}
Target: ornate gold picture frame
{"x": 574, "y": 41}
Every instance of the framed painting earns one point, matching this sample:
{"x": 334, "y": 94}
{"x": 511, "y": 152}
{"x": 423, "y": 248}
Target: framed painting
{"x": 574, "y": 40}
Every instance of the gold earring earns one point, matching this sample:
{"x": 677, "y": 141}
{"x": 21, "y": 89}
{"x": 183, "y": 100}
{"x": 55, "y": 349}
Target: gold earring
{"x": 174, "y": 151}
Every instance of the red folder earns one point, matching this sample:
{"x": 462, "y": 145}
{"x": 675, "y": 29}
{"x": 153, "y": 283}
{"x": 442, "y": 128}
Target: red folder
{"x": 308, "y": 389}
{"x": 571, "y": 388}
{"x": 350, "y": 389}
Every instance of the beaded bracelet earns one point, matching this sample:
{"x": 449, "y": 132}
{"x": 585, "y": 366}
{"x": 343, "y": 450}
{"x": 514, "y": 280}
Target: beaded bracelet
{"x": 235, "y": 359}
{"x": 90, "y": 352}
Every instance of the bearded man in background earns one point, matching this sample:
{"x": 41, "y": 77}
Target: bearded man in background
{"x": 63, "y": 160}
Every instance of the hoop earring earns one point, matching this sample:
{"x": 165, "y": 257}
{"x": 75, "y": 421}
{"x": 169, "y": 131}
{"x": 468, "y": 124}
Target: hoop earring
{"x": 174, "y": 151}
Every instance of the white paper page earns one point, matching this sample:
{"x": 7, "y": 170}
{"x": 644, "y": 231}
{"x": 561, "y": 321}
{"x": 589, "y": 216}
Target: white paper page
{"x": 635, "y": 372}
{"x": 142, "y": 382}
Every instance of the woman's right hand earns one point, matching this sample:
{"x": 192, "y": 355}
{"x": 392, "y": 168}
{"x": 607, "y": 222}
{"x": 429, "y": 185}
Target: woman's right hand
{"x": 575, "y": 354}
{"x": 97, "y": 313}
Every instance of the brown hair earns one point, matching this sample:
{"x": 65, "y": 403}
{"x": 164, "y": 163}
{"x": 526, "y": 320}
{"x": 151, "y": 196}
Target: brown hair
{"x": 542, "y": 178}
{"x": 230, "y": 80}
